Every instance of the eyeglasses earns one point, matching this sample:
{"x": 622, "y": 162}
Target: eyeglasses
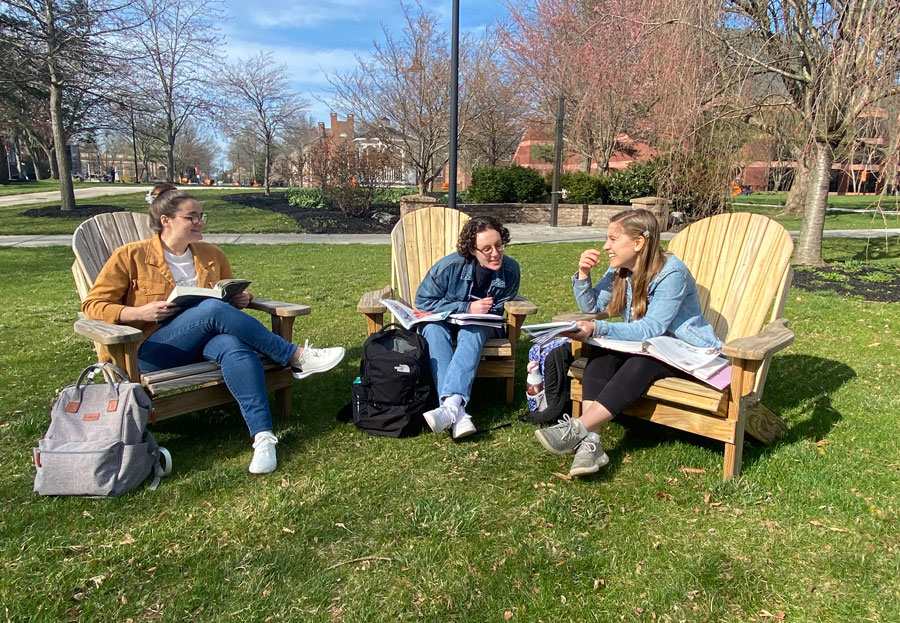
{"x": 195, "y": 219}
{"x": 487, "y": 251}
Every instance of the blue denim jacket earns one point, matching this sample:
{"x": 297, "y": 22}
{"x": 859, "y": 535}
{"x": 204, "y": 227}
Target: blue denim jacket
{"x": 448, "y": 283}
{"x": 673, "y": 307}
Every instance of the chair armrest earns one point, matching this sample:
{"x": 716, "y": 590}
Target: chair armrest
{"x": 520, "y": 306}
{"x": 279, "y": 308}
{"x": 370, "y": 301}
{"x": 107, "y": 334}
{"x": 773, "y": 337}
{"x": 572, "y": 316}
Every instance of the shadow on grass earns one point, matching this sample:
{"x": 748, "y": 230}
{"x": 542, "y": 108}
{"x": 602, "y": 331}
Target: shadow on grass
{"x": 794, "y": 382}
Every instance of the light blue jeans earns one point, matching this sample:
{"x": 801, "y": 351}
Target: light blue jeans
{"x": 453, "y": 369}
{"x": 216, "y": 331}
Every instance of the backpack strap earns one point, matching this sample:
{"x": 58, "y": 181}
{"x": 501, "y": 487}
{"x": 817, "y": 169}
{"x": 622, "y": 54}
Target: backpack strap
{"x": 93, "y": 369}
{"x": 158, "y": 469}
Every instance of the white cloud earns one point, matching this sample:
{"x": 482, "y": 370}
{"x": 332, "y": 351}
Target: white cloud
{"x": 306, "y": 66}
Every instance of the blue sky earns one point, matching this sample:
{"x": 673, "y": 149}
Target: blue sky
{"x": 318, "y": 37}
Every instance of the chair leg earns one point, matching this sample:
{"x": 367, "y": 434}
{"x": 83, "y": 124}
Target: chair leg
{"x": 283, "y": 402}
{"x": 734, "y": 454}
{"x": 510, "y": 384}
{"x": 576, "y": 409}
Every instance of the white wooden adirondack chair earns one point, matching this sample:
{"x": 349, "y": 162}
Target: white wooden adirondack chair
{"x": 741, "y": 263}
{"x": 419, "y": 240}
{"x": 93, "y": 243}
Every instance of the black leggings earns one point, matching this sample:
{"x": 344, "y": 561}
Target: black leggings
{"x": 616, "y": 379}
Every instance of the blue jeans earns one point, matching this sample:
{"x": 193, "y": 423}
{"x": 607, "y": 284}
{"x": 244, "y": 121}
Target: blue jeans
{"x": 453, "y": 369}
{"x": 216, "y": 331}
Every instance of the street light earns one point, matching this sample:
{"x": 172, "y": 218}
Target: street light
{"x": 454, "y": 105}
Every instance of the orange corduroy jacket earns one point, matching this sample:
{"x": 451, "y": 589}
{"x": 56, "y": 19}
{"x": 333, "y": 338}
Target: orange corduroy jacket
{"x": 137, "y": 274}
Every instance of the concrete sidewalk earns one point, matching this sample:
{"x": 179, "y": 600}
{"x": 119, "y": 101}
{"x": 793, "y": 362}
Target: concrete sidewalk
{"x": 521, "y": 234}
{"x": 83, "y": 193}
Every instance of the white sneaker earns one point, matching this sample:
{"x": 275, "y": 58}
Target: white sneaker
{"x": 315, "y": 360}
{"x": 440, "y": 419}
{"x": 463, "y": 426}
{"x": 263, "y": 453}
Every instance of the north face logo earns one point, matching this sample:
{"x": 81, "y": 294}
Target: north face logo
{"x": 402, "y": 368}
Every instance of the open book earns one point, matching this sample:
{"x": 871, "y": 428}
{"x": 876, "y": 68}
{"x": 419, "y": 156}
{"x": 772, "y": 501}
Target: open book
{"x": 487, "y": 320}
{"x": 225, "y": 289}
{"x": 706, "y": 364}
{"x": 406, "y": 316}
{"x": 544, "y": 332}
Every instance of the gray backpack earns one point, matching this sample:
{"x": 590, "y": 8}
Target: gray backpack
{"x": 98, "y": 443}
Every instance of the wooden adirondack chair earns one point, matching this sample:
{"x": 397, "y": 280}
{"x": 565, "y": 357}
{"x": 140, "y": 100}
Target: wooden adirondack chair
{"x": 419, "y": 240}
{"x": 93, "y": 243}
{"x": 741, "y": 263}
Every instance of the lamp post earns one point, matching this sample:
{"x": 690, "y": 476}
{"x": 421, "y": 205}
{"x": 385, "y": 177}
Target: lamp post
{"x": 454, "y": 105}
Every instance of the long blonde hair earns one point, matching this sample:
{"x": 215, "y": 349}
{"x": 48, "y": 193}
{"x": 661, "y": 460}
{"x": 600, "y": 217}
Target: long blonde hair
{"x": 650, "y": 260}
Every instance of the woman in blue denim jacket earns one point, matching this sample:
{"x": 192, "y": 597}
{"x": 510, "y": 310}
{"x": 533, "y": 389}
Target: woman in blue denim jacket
{"x": 477, "y": 279}
{"x": 655, "y": 294}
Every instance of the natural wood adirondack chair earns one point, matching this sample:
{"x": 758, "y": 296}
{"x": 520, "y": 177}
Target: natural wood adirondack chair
{"x": 741, "y": 263}
{"x": 419, "y": 240}
{"x": 93, "y": 243}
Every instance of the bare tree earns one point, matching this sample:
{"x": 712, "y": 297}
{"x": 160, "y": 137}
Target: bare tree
{"x": 175, "y": 48}
{"x": 260, "y": 97}
{"x": 593, "y": 53}
{"x": 825, "y": 63}
{"x": 498, "y": 111}
{"x": 68, "y": 39}
{"x": 404, "y": 86}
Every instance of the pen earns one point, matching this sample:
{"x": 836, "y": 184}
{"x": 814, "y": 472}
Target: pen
{"x": 472, "y": 297}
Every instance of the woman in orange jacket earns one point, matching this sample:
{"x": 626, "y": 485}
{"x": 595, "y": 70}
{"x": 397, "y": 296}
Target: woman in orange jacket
{"x": 132, "y": 289}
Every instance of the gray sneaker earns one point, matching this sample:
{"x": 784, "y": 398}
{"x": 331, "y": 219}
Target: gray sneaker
{"x": 562, "y": 438}
{"x": 589, "y": 458}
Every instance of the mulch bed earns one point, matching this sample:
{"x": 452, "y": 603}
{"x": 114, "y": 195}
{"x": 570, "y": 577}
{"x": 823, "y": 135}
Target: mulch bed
{"x": 81, "y": 211}
{"x": 870, "y": 284}
{"x": 315, "y": 220}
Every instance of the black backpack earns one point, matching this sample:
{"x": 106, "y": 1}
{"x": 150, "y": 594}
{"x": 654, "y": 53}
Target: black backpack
{"x": 395, "y": 386}
{"x": 556, "y": 386}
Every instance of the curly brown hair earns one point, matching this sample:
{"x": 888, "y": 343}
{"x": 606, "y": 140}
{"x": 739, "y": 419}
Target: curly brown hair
{"x": 465, "y": 246}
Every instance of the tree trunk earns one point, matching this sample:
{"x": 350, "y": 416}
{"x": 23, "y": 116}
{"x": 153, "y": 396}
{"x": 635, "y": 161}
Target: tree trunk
{"x": 4, "y": 170}
{"x": 66, "y": 189}
{"x": 266, "y": 174}
{"x": 796, "y": 198}
{"x": 809, "y": 244}
{"x": 51, "y": 158}
{"x": 170, "y": 152}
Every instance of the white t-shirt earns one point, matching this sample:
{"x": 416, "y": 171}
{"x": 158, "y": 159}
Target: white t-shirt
{"x": 182, "y": 267}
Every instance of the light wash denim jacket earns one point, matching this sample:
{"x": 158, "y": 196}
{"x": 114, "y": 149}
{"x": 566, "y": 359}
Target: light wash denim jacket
{"x": 673, "y": 307}
{"x": 448, "y": 284}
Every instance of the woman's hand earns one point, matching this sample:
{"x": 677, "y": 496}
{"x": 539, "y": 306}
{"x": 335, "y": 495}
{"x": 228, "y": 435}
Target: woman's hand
{"x": 586, "y": 262}
{"x": 157, "y": 311}
{"x": 585, "y": 330}
{"x": 241, "y": 300}
{"x": 481, "y": 306}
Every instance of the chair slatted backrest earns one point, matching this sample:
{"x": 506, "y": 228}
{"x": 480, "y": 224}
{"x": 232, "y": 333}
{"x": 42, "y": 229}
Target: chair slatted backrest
{"x": 741, "y": 262}
{"x": 96, "y": 238}
{"x": 742, "y": 265}
{"x": 419, "y": 240}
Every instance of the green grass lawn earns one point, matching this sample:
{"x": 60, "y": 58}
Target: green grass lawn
{"x": 22, "y": 188}
{"x": 480, "y": 530}
{"x": 224, "y": 216}
{"x": 772, "y": 203}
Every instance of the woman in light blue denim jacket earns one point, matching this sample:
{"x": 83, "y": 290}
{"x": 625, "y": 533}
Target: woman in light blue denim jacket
{"x": 655, "y": 294}
{"x": 477, "y": 279}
